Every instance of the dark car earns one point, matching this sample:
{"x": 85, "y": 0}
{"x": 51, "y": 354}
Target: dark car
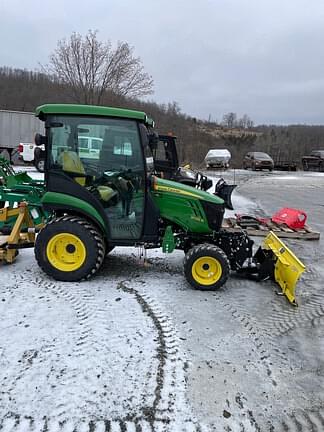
{"x": 258, "y": 160}
{"x": 314, "y": 161}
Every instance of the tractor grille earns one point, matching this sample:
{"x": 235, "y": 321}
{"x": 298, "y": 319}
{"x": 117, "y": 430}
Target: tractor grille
{"x": 214, "y": 214}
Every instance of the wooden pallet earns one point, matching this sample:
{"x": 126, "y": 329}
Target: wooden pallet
{"x": 3, "y": 239}
{"x": 306, "y": 233}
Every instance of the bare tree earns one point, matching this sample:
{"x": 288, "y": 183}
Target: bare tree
{"x": 91, "y": 68}
{"x": 230, "y": 120}
{"x": 245, "y": 122}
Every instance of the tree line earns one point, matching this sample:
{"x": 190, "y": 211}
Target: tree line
{"x": 84, "y": 70}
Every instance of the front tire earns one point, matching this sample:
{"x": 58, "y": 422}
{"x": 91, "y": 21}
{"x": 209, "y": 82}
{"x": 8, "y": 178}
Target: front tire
{"x": 206, "y": 267}
{"x": 305, "y": 166}
{"x": 69, "y": 248}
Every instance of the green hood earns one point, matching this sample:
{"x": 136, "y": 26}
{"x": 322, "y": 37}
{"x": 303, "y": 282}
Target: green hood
{"x": 174, "y": 188}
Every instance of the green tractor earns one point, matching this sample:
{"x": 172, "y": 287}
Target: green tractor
{"x": 105, "y": 195}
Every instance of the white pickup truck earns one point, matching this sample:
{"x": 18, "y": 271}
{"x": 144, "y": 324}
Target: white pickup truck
{"x": 29, "y": 152}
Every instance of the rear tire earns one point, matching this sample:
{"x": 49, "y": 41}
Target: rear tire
{"x": 40, "y": 165}
{"x": 206, "y": 267}
{"x": 321, "y": 167}
{"x": 70, "y": 249}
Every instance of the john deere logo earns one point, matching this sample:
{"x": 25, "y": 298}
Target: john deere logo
{"x": 175, "y": 190}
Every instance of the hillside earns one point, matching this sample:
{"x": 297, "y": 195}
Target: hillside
{"x": 24, "y": 90}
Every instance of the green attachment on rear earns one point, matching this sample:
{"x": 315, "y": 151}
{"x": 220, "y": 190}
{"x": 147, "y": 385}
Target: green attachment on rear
{"x": 5, "y": 168}
{"x": 11, "y": 179}
{"x": 18, "y": 179}
{"x": 168, "y": 242}
{"x": 32, "y": 196}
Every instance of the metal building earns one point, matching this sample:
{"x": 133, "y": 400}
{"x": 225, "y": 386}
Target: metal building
{"x": 16, "y": 127}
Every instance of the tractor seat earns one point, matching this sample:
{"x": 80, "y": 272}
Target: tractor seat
{"x": 71, "y": 162}
{"x": 106, "y": 193}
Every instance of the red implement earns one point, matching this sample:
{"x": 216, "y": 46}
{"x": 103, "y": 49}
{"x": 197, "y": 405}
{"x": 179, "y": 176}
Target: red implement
{"x": 293, "y": 218}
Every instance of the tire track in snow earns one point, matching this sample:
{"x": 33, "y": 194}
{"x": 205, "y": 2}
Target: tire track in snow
{"x": 159, "y": 404}
{"x": 23, "y": 424}
{"x": 98, "y": 344}
{"x": 170, "y": 382}
{"x": 277, "y": 321}
{"x": 305, "y": 421}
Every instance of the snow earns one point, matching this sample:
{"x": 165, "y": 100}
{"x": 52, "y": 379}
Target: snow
{"x": 137, "y": 349}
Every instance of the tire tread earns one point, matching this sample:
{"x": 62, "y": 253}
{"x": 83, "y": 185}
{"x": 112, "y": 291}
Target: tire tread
{"x": 206, "y": 248}
{"x": 92, "y": 230}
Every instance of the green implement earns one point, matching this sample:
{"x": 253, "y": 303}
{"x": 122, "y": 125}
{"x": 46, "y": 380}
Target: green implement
{"x": 16, "y": 188}
{"x": 10, "y": 179}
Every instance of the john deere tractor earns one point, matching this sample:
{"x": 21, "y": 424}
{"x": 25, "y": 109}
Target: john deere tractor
{"x": 101, "y": 193}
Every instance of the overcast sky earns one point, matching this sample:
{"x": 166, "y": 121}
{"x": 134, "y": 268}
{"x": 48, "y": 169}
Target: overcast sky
{"x": 260, "y": 57}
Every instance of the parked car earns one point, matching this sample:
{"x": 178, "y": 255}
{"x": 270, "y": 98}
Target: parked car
{"x": 258, "y": 160}
{"x": 217, "y": 158}
{"x": 314, "y": 160}
{"x": 285, "y": 165}
{"x": 29, "y": 152}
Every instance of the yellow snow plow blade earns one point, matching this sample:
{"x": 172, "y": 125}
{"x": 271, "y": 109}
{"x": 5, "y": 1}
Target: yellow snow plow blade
{"x": 288, "y": 268}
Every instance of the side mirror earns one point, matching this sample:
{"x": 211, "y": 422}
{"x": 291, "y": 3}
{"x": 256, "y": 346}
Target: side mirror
{"x": 40, "y": 139}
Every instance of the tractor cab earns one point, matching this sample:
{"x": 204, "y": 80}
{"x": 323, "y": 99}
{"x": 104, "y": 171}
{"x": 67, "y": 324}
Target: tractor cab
{"x": 94, "y": 155}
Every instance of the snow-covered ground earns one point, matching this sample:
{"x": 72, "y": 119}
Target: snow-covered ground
{"x": 137, "y": 349}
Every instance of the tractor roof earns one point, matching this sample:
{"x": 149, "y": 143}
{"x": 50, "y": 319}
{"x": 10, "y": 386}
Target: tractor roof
{"x": 91, "y": 110}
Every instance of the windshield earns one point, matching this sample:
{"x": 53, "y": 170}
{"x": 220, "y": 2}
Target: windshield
{"x": 219, "y": 153}
{"x": 260, "y": 155}
{"x": 94, "y": 139}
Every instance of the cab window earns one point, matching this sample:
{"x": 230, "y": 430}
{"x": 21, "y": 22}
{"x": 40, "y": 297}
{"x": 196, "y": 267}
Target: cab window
{"x": 112, "y": 168}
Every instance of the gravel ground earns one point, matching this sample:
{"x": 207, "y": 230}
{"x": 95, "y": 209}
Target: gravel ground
{"x": 136, "y": 349}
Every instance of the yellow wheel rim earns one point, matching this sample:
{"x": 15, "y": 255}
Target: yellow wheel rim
{"x": 206, "y": 270}
{"x": 66, "y": 252}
